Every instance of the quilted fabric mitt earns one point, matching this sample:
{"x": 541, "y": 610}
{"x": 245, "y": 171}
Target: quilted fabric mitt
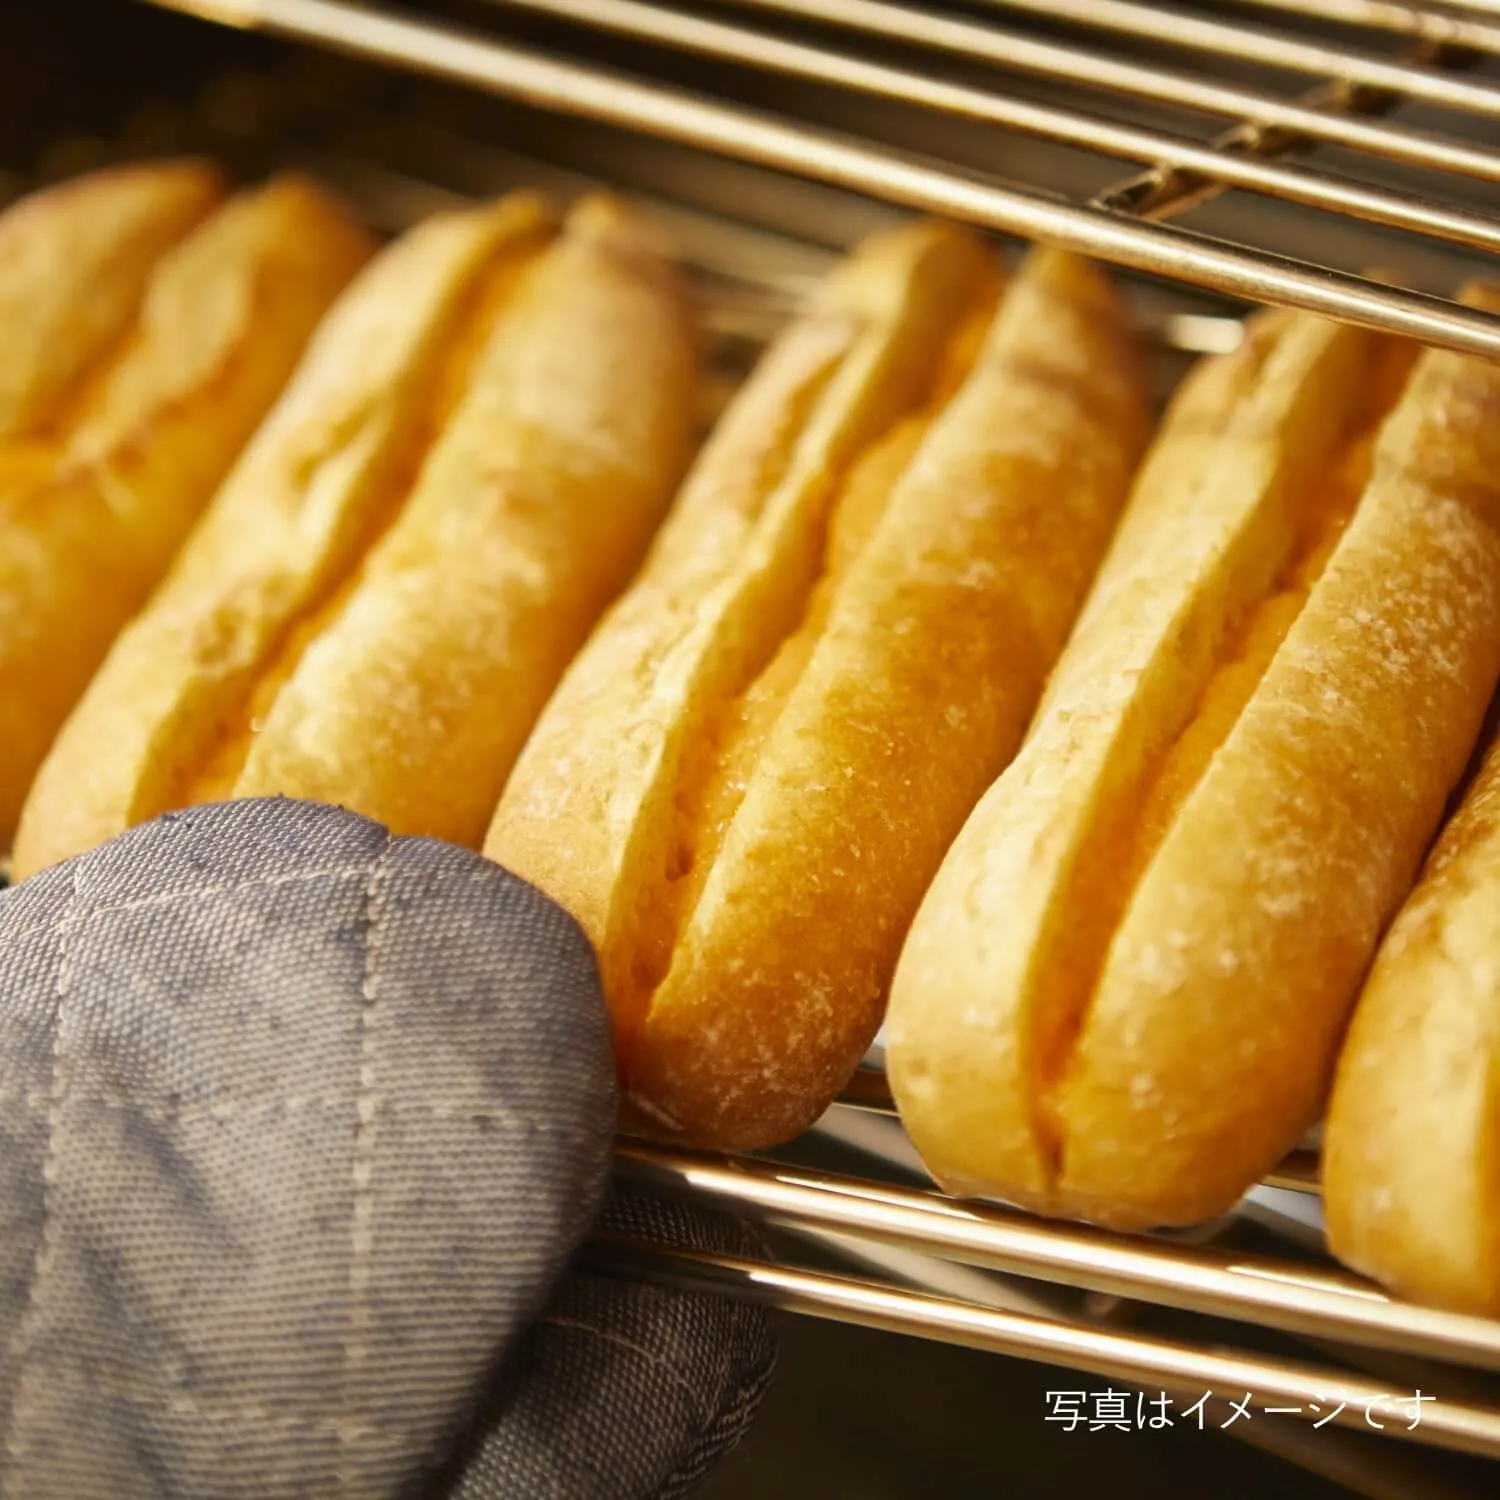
{"x": 299, "y": 1127}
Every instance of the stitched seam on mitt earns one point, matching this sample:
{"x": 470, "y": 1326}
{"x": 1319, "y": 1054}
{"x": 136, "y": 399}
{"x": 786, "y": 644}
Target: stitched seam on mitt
{"x": 192, "y": 893}
{"x": 641, "y": 1351}
{"x": 32, "y": 1313}
{"x": 260, "y": 1109}
{"x": 199, "y": 1409}
{"x": 362, "y": 1212}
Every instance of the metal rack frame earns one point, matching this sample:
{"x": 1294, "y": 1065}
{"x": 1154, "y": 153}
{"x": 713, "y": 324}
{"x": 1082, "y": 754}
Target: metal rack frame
{"x": 1132, "y": 83}
{"x": 1108, "y": 233}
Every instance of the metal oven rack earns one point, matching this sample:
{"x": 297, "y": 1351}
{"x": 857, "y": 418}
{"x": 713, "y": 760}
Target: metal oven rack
{"x": 1293, "y": 145}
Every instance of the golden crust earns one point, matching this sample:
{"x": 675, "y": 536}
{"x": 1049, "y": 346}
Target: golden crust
{"x": 531, "y": 514}
{"x": 75, "y": 262}
{"x": 1121, "y": 998}
{"x": 94, "y": 505}
{"x": 468, "y": 462}
{"x": 1409, "y": 1146}
{"x": 1413, "y": 1124}
{"x": 588, "y": 808}
{"x": 747, "y": 778}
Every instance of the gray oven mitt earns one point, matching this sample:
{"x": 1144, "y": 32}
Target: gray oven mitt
{"x": 300, "y": 1126}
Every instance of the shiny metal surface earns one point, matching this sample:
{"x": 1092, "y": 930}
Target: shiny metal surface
{"x": 1136, "y": 78}
{"x": 1191, "y": 32}
{"x": 1345, "y": 1398}
{"x": 1298, "y": 1173}
{"x": 1198, "y": 1278}
{"x": 614, "y": 99}
{"x": 694, "y": 34}
{"x": 1419, "y": 21}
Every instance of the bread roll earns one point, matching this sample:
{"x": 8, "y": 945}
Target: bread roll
{"x": 1411, "y": 1174}
{"x": 75, "y": 262}
{"x": 1121, "y": 998}
{"x": 466, "y": 467}
{"x": 143, "y": 334}
{"x": 748, "y": 777}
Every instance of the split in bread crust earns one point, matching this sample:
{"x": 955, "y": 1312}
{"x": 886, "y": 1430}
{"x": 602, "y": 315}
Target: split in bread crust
{"x": 144, "y": 332}
{"x": 747, "y": 778}
{"x": 465, "y": 469}
{"x": 75, "y": 262}
{"x": 1122, "y": 995}
{"x": 1411, "y": 1175}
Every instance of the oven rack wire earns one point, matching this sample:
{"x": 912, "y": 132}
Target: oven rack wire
{"x": 1300, "y": 142}
{"x": 416, "y": 41}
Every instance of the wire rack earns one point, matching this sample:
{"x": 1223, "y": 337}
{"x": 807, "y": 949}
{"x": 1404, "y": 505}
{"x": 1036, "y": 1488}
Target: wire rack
{"x": 1269, "y": 151}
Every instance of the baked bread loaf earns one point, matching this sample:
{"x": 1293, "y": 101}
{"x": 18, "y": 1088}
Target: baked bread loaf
{"x": 145, "y": 329}
{"x": 1410, "y": 1190}
{"x": 466, "y": 467}
{"x": 746, "y": 780}
{"x": 1123, "y": 994}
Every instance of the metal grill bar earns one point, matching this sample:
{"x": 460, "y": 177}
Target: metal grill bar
{"x": 1203, "y": 1279}
{"x": 682, "y": 31}
{"x": 1176, "y": 1368}
{"x": 593, "y": 93}
{"x": 1165, "y": 190}
{"x": 1194, "y": 33}
{"x": 1299, "y": 1172}
{"x": 1075, "y": 65}
{"x": 1443, "y": 28}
